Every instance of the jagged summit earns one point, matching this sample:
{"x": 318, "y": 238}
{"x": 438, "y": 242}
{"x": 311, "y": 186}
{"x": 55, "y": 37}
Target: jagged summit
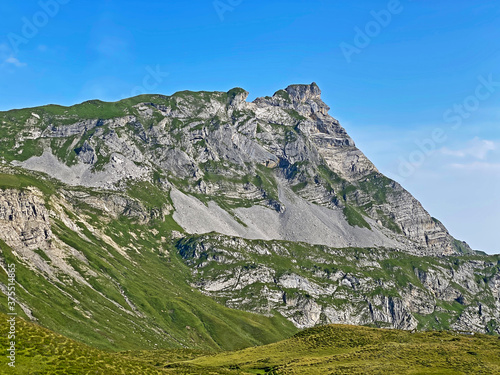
{"x": 304, "y": 99}
{"x": 301, "y": 93}
{"x": 293, "y": 95}
{"x": 237, "y": 96}
{"x": 216, "y": 143}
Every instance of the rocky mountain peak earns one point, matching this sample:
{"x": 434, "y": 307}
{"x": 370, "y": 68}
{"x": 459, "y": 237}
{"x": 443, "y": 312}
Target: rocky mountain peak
{"x": 284, "y": 153}
{"x": 237, "y": 96}
{"x": 303, "y": 93}
{"x": 304, "y": 99}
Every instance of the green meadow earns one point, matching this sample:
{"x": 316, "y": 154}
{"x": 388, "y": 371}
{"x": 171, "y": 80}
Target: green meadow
{"x": 332, "y": 349}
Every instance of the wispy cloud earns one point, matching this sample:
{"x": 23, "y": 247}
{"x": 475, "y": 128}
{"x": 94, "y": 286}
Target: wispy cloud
{"x": 14, "y": 61}
{"x": 7, "y": 57}
{"x": 477, "y": 167}
{"x": 476, "y": 148}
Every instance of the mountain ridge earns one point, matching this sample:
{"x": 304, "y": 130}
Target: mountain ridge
{"x": 197, "y": 214}
{"x": 299, "y": 110}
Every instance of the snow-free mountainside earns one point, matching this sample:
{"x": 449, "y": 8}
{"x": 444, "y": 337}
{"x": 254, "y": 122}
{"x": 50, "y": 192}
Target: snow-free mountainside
{"x": 203, "y": 221}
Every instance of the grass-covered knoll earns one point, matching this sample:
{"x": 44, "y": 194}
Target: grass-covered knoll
{"x": 284, "y": 95}
{"x": 333, "y": 349}
{"x": 339, "y": 349}
{"x": 91, "y": 109}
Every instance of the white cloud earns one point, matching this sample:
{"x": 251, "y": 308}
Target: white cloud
{"x": 14, "y": 61}
{"x": 7, "y": 58}
{"x": 477, "y": 166}
{"x": 477, "y": 148}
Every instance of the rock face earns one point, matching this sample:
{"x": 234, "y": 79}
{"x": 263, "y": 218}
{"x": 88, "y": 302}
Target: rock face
{"x": 269, "y": 203}
{"x": 24, "y": 219}
{"x": 273, "y": 161}
{"x": 324, "y": 285}
{"x": 86, "y": 153}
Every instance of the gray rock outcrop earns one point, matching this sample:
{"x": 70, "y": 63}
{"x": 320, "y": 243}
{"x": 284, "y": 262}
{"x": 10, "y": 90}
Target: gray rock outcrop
{"x": 225, "y": 148}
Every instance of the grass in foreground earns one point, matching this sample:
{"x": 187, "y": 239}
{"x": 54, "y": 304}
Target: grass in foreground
{"x": 333, "y": 349}
{"x": 342, "y": 349}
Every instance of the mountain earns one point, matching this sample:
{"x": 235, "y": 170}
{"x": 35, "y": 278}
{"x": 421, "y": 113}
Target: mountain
{"x": 205, "y": 221}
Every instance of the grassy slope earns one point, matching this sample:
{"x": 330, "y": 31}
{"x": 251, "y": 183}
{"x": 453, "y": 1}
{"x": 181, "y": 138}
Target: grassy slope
{"x": 362, "y": 350}
{"x": 40, "y": 351}
{"x": 156, "y": 281}
{"x": 334, "y": 349}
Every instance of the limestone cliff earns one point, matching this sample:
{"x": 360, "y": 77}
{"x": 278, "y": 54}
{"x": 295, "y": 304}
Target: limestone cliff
{"x": 279, "y": 162}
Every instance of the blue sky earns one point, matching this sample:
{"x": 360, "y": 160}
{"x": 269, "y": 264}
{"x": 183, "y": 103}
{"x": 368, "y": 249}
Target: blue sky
{"x": 415, "y": 83}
